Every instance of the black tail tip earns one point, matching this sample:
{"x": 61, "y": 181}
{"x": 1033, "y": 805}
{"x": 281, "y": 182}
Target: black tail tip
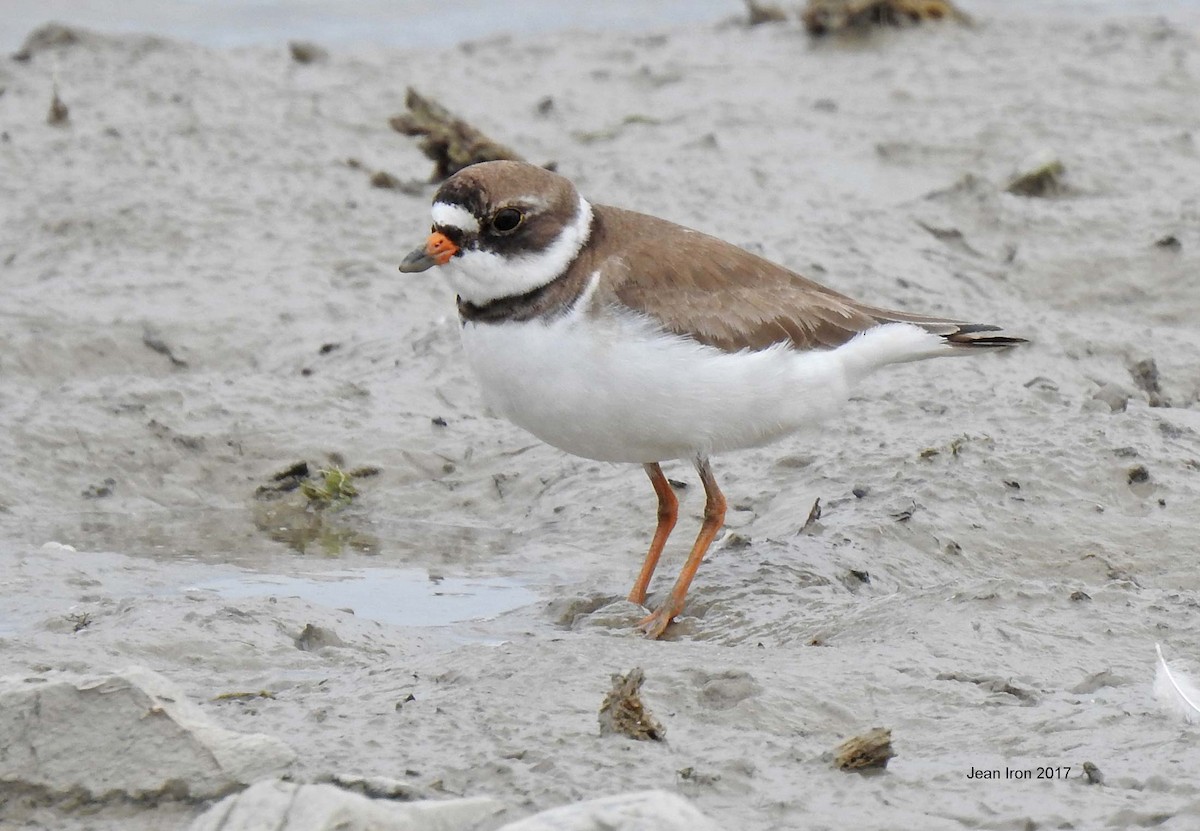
{"x": 977, "y": 336}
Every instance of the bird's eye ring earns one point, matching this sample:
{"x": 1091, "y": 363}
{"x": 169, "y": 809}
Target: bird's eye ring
{"x": 507, "y": 220}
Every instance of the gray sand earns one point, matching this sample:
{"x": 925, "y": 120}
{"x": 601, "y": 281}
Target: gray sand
{"x": 201, "y": 200}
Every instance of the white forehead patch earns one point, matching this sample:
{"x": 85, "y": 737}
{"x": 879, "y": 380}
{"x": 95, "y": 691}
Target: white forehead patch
{"x": 454, "y": 216}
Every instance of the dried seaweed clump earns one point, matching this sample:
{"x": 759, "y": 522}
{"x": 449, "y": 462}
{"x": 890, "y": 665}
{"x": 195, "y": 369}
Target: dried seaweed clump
{"x": 759, "y": 13}
{"x": 305, "y": 52}
{"x": 335, "y": 488}
{"x": 623, "y": 712}
{"x": 329, "y": 487}
{"x": 825, "y": 17}
{"x": 451, "y": 142}
{"x": 45, "y": 38}
{"x": 300, "y": 508}
{"x": 871, "y": 750}
{"x": 1044, "y": 178}
{"x": 59, "y": 113}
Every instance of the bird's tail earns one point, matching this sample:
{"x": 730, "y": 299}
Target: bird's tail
{"x": 901, "y": 338}
{"x": 959, "y": 334}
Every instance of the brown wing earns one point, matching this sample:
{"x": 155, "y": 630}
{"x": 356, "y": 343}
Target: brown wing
{"x": 707, "y": 289}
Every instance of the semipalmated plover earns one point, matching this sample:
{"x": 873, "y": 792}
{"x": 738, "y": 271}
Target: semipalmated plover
{"x": 621, "y": 337}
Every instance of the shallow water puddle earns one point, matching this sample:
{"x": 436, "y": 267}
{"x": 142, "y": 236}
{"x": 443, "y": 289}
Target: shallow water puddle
{"x": 400, "y": 597}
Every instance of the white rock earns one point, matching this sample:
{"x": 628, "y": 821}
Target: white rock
{"x": 284, "y": 806}
{"x": 639, "y": 811}
{"x": 1114, "y": 395}
{"x": 130, "y": 734}
{"x": 57, "y": 546}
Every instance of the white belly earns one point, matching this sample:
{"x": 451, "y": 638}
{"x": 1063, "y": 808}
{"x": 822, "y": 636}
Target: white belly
{"x": 614, "y": 388}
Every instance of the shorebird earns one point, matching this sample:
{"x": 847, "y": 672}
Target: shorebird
{"x": 622, "y": 337}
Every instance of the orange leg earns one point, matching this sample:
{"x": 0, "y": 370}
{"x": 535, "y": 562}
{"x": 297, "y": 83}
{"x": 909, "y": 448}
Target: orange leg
{"x": 668, "y": 512}
{"x": 714, "y": 514}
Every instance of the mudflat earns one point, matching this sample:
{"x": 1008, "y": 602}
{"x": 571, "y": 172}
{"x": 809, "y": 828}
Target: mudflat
{"x": 198, "y": 288}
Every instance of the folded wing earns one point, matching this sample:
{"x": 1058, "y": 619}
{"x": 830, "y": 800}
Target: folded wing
{"x": 722, "y": 296}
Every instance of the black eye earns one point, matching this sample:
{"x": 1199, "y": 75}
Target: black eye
{"x": 506, "y": 220}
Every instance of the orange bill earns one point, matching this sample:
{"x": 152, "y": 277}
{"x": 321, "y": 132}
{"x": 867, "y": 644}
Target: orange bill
{"x": 438, "y": 250}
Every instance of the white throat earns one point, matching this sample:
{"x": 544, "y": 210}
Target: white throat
{"x": 480, "y": 277}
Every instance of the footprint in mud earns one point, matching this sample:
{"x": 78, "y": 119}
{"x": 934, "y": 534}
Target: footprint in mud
{"x": 724, "y": 690}
{"x": 605, "y": 611}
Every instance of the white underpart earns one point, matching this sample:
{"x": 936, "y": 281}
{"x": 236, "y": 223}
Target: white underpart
{"x": 481, "y": 276}
{"x": 454, "y": 216}
{"x": 614, "y": 387}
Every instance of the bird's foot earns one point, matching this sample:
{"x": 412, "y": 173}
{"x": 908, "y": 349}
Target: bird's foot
{"x": 656, "y": 623}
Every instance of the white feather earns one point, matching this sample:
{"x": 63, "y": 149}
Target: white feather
{"x": 892, "y": 343}
{"x": 1176, "y": 691}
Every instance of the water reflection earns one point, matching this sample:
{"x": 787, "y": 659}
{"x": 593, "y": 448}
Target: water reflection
{"x": 400, "y": 597}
